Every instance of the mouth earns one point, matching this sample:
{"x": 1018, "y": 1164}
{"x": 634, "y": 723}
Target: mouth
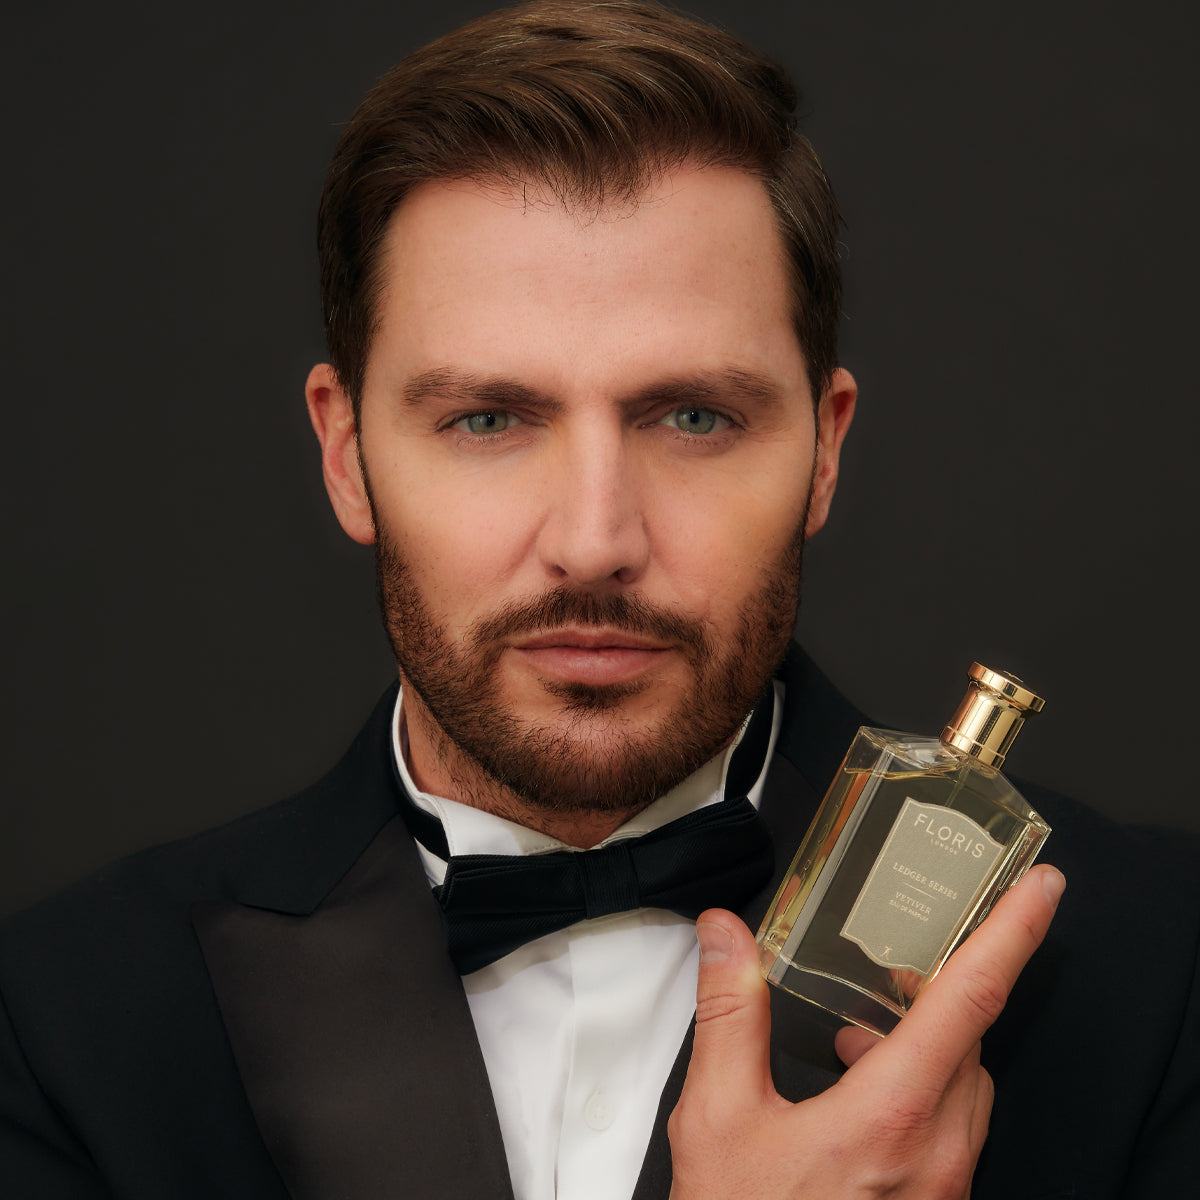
{"x": 595, "y": 657}
{"x": 588, "y": 639}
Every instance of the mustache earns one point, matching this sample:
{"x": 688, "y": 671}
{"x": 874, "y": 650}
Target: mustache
{"x": 625, "y": 611}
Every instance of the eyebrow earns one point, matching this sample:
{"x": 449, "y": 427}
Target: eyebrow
{"x": 450, "y": 383}
{"x": 499, "y": 392}
{"x": 726, "y": 383}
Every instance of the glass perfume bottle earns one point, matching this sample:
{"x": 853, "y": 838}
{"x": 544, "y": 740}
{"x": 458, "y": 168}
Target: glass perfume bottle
{"x": 914, "y": 842}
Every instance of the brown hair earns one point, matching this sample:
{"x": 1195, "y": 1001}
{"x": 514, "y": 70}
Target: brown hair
{"x": 593, "y": 100}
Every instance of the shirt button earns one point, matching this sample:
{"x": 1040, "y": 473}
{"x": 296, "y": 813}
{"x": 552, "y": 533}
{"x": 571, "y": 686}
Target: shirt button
{"x": 598, "y": 1112}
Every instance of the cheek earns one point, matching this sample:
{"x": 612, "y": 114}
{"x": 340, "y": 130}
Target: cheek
{"x": 715, "y": 543}
{"x": 462, "y": 542}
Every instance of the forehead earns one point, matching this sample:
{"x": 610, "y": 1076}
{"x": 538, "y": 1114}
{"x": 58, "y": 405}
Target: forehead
{"x": 692, "y": 275}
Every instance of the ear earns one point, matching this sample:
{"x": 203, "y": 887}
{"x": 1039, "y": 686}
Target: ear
{"x": 834, "y": 414}
{"x": 332, "y": 417}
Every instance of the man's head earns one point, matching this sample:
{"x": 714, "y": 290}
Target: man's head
{"x": 590, "y": 102}
{"x": 586, "y": 441}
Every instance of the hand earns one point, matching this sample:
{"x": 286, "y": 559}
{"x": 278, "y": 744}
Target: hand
{"x": 906, "y": 1121}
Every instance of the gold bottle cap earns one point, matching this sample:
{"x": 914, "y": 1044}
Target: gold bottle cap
{"x": 991, "y": 715}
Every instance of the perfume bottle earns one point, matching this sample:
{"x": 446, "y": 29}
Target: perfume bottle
{"x": 914, "y": 842}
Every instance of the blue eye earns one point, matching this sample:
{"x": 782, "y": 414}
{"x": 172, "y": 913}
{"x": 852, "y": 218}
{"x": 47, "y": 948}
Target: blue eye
{"x": 495, "y": 421}
{"x": 695, "y": 420}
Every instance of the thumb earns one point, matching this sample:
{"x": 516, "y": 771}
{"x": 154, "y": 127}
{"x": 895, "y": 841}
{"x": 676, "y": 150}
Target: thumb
{"x": 731, "y": 1051}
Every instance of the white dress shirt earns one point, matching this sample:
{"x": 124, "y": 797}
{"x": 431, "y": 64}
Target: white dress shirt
{"x": 579, "y": 1029}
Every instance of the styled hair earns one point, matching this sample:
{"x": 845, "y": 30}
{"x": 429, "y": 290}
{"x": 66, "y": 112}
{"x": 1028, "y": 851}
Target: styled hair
{"x": 593, "y": 101}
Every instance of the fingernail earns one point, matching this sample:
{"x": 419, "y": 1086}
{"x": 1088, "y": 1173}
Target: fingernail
{"x": 715, "y": 944}
{"x": 1054, "y": 883}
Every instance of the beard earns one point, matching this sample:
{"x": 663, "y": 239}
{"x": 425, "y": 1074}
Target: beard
{"x": 594, "y": 756}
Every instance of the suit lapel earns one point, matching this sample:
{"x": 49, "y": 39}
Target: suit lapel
{"x": 353, "y": 1037}
{"x": 349, "y": 1026}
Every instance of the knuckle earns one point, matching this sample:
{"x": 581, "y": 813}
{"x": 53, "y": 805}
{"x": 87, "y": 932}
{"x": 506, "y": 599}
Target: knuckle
{"x": 904, "y": 1126}
{"x": 699, "y": 1126}
{"x": 944, "y": 1175}
{"x": 922, "y": 1146}
{"x": 930, "y": 1176}
{"x": 955, "y": 1181}
{"x": 985, "y": 993}
{"x": 717, "y": 1007}
{"x": 677, "y": 1125}
{"x": 1032, "y": 926}
{"x": 694, "y": 1116}
{"x": 953, "y": 1173}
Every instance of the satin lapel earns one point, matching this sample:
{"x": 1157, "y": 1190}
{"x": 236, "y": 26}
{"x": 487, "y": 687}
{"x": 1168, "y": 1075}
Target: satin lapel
{"x": 354, "y": 1040}
{"x": 802, "y": 1060}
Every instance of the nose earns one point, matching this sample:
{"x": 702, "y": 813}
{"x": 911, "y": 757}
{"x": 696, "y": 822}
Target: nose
{"x": 594, "y": 531}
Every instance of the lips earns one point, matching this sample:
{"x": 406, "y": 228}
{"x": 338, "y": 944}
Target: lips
{"x": 593, "y": 657}
{"x": 588, "y": 640}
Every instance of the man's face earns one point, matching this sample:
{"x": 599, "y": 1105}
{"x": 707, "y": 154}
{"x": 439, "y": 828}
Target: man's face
{"x": 590, "y": 446}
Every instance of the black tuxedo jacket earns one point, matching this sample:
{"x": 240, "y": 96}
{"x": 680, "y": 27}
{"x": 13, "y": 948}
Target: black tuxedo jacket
{"x": 267, "y": 1010}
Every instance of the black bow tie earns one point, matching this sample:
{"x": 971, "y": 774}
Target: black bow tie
{"x": 717, "y": 856}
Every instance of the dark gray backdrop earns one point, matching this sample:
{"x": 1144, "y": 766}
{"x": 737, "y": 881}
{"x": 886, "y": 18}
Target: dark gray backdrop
{"x": 190, "y": 635}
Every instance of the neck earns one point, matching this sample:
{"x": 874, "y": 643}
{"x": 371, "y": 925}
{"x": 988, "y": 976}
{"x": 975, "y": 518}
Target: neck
{"x": 438, "y": 766}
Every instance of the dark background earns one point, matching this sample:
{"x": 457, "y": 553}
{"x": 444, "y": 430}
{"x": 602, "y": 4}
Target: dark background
{"x": 189, "y": 634}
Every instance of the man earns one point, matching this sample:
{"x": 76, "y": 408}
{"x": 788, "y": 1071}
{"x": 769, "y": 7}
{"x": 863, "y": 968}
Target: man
{"x": 581, "y": 290}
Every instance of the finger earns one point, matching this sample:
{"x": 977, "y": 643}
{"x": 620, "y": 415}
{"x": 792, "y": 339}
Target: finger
{"x": 970, "y": 1094}
{"x": 731, "y": 1051}
{"x": 963, "y": 1113}
{"x": 981, "y": 1115}
{"x": 978, "y": 1093}
{"x": 851, "y": 1042}
{"x": 969, "y": 993}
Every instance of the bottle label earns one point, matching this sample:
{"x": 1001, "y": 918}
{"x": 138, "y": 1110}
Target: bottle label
{"x": 932, "y": 866}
